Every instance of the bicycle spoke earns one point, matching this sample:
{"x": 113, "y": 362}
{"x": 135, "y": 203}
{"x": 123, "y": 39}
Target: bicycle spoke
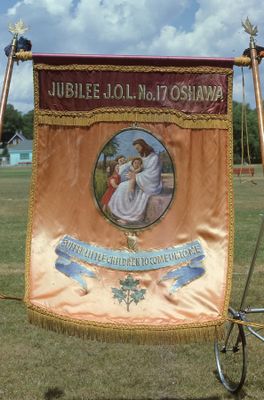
{"x": 231, "y": 356}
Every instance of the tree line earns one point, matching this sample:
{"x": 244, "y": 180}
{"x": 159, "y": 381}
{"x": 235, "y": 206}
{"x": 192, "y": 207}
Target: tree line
{"x": 244, "y": 119}
{"x": 16, "y": 121}
{"x": 245, "y": 122}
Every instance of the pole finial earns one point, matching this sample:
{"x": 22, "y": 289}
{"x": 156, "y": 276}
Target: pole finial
{"x": 18, "y": 28}
{"x": 249, "y": 28}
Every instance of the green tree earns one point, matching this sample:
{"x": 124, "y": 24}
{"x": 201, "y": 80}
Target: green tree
{"x": 250, "y": 123}
{"x": 253, "y": 137}
{"x": 166, "y": 162}
{"x": 109, "y": 150}
{"x": 27, "y": 124}
{"x": 12, "y": 120}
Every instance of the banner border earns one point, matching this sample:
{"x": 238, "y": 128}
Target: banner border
{"x": 134, "y": 114}
{"x": 182, "y": 333}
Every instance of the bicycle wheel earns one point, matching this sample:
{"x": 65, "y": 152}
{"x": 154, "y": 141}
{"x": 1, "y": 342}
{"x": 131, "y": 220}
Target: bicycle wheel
{"x": 231, "y": 355}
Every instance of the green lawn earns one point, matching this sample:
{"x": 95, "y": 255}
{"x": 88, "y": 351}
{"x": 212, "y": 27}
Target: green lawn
{"x": 38, "y": 364}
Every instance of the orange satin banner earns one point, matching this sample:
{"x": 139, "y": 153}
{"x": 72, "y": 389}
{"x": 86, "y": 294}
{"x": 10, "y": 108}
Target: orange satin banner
{"x": 130, "y": 234}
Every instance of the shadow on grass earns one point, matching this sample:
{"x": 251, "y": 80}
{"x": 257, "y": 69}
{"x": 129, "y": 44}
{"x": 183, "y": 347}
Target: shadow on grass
{"x": 53, "y": 393}
{"x": 236, "y": 396}
{"x": 58, "y": 393}
{"x": 150, "y": 398}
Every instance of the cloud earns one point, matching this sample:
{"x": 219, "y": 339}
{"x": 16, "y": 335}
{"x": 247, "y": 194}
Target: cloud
{"x": 183, "y": 28}
{"x": 21, "y": 88}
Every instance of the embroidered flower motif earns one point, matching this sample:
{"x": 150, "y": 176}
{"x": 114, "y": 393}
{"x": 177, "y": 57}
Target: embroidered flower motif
{"x": 129, "y": 292}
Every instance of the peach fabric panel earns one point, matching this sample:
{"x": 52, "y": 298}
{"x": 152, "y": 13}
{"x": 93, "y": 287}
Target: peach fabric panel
{"x": 64, "y": 204}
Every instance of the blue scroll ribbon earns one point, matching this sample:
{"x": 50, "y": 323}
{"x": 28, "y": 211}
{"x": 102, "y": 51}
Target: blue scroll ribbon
{"x": 72, "y": 253}
{"x": 124, "y": 260}
{"x": 185, "y": 274}
{"x": 73, "y": 270}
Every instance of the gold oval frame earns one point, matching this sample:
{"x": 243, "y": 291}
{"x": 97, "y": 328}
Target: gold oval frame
{"x": 126, "y": 228}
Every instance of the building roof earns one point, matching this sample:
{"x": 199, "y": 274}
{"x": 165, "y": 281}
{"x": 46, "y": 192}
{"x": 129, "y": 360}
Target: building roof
{"x": 24, "y": 145}
{"x": 7, "y": 137}
{"x": 17, "y": 135}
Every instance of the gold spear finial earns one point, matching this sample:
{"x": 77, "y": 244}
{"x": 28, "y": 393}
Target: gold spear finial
{"x": 18, "y": 28}
{"x": 249, "y": 28}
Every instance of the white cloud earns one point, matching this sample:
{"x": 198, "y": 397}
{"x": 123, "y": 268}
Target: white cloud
{"x": 21, "y": 88}
{"x": 183, "y": 28}
{"x": 13, "y": 10}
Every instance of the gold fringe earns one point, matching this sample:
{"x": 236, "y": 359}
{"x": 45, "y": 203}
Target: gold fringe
{"x": 242, "y": 61}
{"x": 154, "y": 115}
{"x": 127, "y": 334}
{"x": 23, "y": 55}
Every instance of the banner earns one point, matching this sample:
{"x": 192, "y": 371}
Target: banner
{"x": 130, "y": 232}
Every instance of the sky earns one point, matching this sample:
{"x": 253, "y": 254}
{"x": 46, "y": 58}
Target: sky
{"x": 125, "y": 141}
{"x": 206, "y": 28}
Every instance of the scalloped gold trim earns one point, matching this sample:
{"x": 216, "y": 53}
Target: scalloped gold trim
{"x": 131, "y": 116}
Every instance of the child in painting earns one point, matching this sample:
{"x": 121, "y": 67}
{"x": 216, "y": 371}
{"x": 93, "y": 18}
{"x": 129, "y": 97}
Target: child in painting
{"x": 123, "y": 167}
{"x": 136, "y": 167}
{"x": 121, "y": 159}
{"x": 112, "y": 183}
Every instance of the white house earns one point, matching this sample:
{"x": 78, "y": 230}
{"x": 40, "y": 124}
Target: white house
{"x": 21, "y": 154}
{"x": 16, "y": 138}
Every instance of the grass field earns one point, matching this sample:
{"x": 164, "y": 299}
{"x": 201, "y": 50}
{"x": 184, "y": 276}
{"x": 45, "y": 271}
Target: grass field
{"x": 37, "y": 364}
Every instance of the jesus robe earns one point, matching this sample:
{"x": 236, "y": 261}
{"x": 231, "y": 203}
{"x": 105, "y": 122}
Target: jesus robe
{"x": 132, "y": 208}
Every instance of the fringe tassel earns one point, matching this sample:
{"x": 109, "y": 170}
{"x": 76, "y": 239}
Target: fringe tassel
{"x": 154, "y": 116}
{"x": 119, "y": 334}
{"x": 4, "y": 297}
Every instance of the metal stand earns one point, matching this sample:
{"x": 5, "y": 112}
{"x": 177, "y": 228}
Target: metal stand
{"x": 231, "y": 352}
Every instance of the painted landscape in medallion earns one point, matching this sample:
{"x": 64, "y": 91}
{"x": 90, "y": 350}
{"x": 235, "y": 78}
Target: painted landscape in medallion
{"x": 134, "y": 179}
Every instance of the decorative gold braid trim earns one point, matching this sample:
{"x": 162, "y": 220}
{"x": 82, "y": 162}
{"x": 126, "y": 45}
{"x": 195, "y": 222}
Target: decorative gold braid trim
{"x": 134, "y": 68}
{"x": 154, "y": 115}
{"x": 230, "y": 102}
{"x": 23, "y": 55}
{"x": 36, "y": 91}
{"x": 230, "y": 220}
{"x": 31, "y": 208}
{"x": 242, "y": 61}
{"x": 142, "y": 334}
